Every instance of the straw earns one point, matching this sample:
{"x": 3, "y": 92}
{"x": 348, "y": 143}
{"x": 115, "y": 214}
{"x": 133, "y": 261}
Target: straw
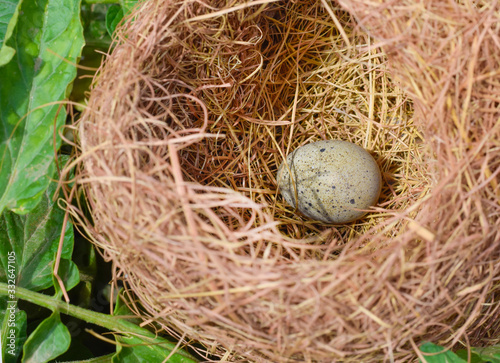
{"x": 197, "y": 106}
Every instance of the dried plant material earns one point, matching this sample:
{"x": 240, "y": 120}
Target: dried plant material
{"x": 197, "y": 106}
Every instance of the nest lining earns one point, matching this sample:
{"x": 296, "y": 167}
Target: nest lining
{"x": 271, "y": 85}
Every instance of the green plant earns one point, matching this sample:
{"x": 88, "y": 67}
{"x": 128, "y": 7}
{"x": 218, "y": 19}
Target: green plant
{"x": 433, "y": 353}
{"x": 41, "y": 43}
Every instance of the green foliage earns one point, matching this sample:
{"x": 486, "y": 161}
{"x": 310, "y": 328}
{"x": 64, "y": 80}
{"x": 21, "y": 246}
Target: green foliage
{"x": 158, "y": 347}
{"x": 477, "y": 355}
{"x": 69, "y": 274}
{"x": 47, "y": 39}
{"x": 131, "y": 349}
{"x": 439, "y": 354}
{"x": 94, "y": 25}
{"x": 9, "y": 11}
{"x": 117, "y": 12}
{"x": 483, "y": 355}
{"x": 113, "y": 17}
{"x": 31, "y": 241}
{"x": 128, "y": 5}
{"x": 13, "y": 330}
{"x": 49, "y": 340}
{"x": 34, "y": 238}
{"x": 40, "y": 43}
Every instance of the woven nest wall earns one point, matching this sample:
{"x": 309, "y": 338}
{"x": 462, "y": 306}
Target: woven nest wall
{"x": 197, "y": 106}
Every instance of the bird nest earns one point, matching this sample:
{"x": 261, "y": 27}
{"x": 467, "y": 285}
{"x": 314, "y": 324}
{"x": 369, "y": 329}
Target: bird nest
{"x": 198, "y": 104}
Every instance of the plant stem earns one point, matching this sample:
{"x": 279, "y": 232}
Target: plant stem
{"x": 110, "y": 322}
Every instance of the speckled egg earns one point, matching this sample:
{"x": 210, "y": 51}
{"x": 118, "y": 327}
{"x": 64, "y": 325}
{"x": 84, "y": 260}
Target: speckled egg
{"x": 332, "y": 180}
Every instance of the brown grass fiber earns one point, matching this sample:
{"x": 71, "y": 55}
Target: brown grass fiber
{"x": 196, "y": 107}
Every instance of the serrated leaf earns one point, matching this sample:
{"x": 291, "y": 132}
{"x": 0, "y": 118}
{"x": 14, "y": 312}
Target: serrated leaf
{"x": 113, "y": 17}
{"x": 443, "y": 356}
{"x": 13, "y": 327}
{"x": 47, "y": 39}
{"x": 9, "y": 11}
{"x": 48, "y": 341}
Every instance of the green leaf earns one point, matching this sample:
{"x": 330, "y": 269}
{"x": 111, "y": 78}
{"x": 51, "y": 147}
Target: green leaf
{"x": 94, "y": 21}
{"x": 28, "y": 246}
{"x": 474, "y": 358}
{"x": 444, "y": 356}
{"x": 84, "y": 256}
{"x": 132, "y": 349}
{"x": 9, "y": 11}
{"x": 128, "y": 5}
{"x": 489, "y": 354}
{"x": 47, "y": 39}
{"x": 113, "y": 17}
{"x": 68, "y": 272}
{"x": 33, "y": 239}
{"x": 121, "y": 309}
{"x": 114, "y": 323}
{"x": 117, "y": 12}
{"x": 13, "y": 328}
{"x": 49, "y": 340}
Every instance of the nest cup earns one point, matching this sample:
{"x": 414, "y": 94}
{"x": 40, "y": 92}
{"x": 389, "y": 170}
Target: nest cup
{"x": 200, "y": 102}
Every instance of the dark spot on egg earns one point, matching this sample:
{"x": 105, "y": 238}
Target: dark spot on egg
{"x": 352, "y": 201}
{"x": 310, "y": 204}
{"x": 322, "y": 150}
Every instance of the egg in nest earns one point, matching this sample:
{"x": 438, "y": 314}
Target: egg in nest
{"x": 333, "y": 181}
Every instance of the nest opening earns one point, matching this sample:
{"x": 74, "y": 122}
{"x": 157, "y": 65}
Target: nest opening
{"x": 275, "y": 79}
